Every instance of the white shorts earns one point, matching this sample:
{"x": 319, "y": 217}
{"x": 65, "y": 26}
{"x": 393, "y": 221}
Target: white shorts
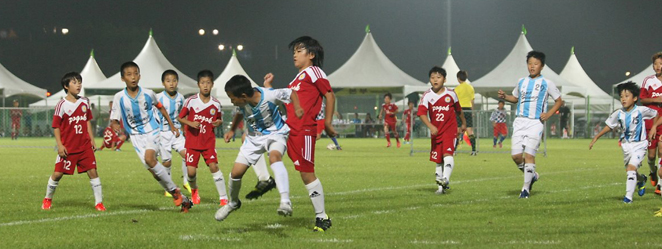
{"x": 143, "y": 142}
{"x": 634, "y": 153}
{"x": 526, "y": 136}
{"x": 168, "y": 143}
{"x": 255, "y": 146}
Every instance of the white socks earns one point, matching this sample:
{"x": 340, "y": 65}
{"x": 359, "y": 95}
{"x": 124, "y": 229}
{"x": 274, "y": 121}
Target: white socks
{"x": 234, "y": 187}
{"x": 96, "y": 188}
{"x": 260, "y": 168}
{"x": 449, "y": 163}
{"x": 529, "y": 174}
{"x": 164, "y": 177}
{"x": 50, "y": 188}
{"x": 184, "y": 172}
{"x": 220, "y": 184}
{"x": 630, "y": 184}
{"x": 316, "y": 194}
{"x": 282, "y": 181}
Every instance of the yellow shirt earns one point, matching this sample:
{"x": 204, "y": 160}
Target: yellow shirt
{"x": 465, "y": 93}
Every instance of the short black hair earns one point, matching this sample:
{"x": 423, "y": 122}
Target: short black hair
{"x": 656, "y": 56}
{"x": 630, "y": 87}
{"x": 313, "y": 47}
{"x": 127, "y": 65}
{"x": 462, "y": 75}
{"x": 536, "y": 54}
{"x": 169, "y": 72}
{"x": 501, "y": 102}
{"x": 68, "y": 77}
{"x": 239, "y": 84}
{"x": 388, "y": 95}
{"x": 437, "y": 69}
{"x": 206, "y": 73}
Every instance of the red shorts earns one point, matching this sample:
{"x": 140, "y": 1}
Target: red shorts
{"x": 84, "y": 160}
{"x": 445, "y": 146}
{"x": 320, "y": 126}
{"x": 301, "y": 149}
{"x": 653, "y": 144}
{"x": 391, "y": 126}
{"x": 193, "y": 156}
{"x": 500, "y": 128}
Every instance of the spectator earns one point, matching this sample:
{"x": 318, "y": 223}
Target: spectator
{"x": 357, "y": 125}
{"x": 369, "y": 128}
{"x": 564, "y": 111}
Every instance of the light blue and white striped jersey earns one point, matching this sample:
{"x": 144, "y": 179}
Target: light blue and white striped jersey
{"x": 532, "y": 96}
{"x": 137, "y": 113}
{"x": 265, "y": 117}
{"x": 173, "y": 106}
{"x": 631, "y": 123}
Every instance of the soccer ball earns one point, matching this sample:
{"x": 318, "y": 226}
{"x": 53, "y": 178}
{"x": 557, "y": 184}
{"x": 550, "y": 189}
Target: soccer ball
{"x": 331, "y": 146}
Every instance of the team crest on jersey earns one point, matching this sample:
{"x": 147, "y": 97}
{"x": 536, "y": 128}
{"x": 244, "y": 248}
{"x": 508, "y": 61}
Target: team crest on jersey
{"x": 447, "y": 99}
{"x": 212, "y": 111}
{"x": 84, "y": 109}
{"x": 302, "y": 76}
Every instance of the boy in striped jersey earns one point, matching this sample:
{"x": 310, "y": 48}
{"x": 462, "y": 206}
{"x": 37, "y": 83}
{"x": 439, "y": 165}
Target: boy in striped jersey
{"x": 135, "y": 107}
{"x": 531, "y": 97}
{"x": 630, "y": 119}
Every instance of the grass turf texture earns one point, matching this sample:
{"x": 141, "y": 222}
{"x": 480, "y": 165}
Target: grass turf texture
{"x": 377, "y": 197}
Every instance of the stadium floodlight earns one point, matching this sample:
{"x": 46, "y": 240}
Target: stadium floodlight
{"x": 215, "y": 31}
{"x": 240, "y": 47}
{"x": 65, "y": 31}
{"x": 221, "y": 47}
{"x": 201, "y": 31}
{"x": 627, "y": 73}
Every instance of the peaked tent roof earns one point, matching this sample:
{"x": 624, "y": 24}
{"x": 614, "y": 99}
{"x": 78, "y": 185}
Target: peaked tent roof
{"x": 91, "y": 74}
{"x": 152, "y": 63}
{"x": 451, "y": 71}
{"x": 639, "y": 78}
{"x": 231, "y": 69}
{"x": 11, "y": 85}
{"x": 575, "y": 74}
{"x": 369, "y": 67}
{"x": 506, "y": 75}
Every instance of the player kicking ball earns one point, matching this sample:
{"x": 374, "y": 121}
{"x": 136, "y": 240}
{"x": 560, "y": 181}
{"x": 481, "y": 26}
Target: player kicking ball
{"x": 634, "y": 140}
{"x": 75, "y": 141}
{"x": 267, "y": 132}
{"x": 438, "y": 110}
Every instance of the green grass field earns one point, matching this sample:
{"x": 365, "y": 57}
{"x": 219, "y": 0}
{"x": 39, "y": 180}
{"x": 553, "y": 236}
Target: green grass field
{"x": 377, "y": 197}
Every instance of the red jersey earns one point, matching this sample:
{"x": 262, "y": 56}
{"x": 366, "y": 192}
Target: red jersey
{"x": 71, "y": 119}
{"x": 651, "y": 88}
{"x": 407, "y": 116}
{"x": 441, "y": 109}
{"x": 311, "y": 85}
{"x": 16, "y": 115}
{"x": 392, "y": 109}
{"x": 194, "y": 110}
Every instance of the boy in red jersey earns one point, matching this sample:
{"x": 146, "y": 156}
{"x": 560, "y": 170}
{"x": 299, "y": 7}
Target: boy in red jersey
{"x": 651, "y": 97}
{"x": 389, "y": 110}
{"x": 202, "y": 114}
{"x": 16, "y": 115}
{"x": 442, "y": 106}
{"x": 406, "y": 117}
{"x": 75, "y": 140}
{"x": 312, "y": 87}
{"x": 112, "y": 139}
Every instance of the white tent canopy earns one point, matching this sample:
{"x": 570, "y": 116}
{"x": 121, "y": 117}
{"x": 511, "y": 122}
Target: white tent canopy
{"x": 573, "y": 71}
{"x": 639, "y": 78}
{"x": 369, "y": 67}
{"x": 231, "y": 69}
{"x": 152, "y": 64}
{"x": 451, "y": 71}
{"x": 91, "y": 75}
{"x": 11, "y": 85}
{"x": 513, "y": 68}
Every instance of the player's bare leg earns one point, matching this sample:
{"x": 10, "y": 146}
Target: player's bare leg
{"x": 182, "y": 153}
{"x": 220, "y": 183}
{"x": 397, "y": 137}
{"x": 191, "y": 174}
{"x": 472, "y": 139}
{"x": 387, "y": 135}
{"x": 161, "y": 175}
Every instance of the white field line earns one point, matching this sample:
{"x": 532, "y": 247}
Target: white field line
{"x": 427, "y": 242}
{"x": 110, "y": 213}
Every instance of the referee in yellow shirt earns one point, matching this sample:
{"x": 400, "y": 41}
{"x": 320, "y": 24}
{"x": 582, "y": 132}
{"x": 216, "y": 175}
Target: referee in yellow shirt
{"x": 465, "y": 92}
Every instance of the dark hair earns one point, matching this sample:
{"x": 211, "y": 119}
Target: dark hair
{"x": 501, "y": 102}
{"x": 630, "y": 87}
{"x": 437, "y": 69}
{"x": 388, "y": 95}
{"x": 656, "y": 56}
{"x": 169, "y": 72}
{"x": 68, "y": 77}
{"x": 536, "y": 54}
{"x": 127, "y": 65}
{"x": 312, "y": 46}
{"x": 239, "y": 84}
{"x": 206, "y": 73}
{"x": 462, "y": 75}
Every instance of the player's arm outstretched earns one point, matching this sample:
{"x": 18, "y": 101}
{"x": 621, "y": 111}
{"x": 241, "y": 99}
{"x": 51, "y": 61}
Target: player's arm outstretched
{"x": 61, "y": 150}
{"x": 602, "y": 132}
{"x": 330, "y": 101}
{"x": 238, "y": 116}
{"x": 509, "y": 98}
{"x": 268, "y": 80}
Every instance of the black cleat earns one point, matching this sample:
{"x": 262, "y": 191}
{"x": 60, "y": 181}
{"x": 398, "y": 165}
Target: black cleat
{"x": 321, "y": 224}
{"x": 186, "y": 204}
{"x": 261, "y": 188}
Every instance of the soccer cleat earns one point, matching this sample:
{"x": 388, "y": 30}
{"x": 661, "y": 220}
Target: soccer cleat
{"x": 641, "y": 186}
{"x": 443, "y": 186}
{"x": 653, "y": 177}
{"x": 100, "y": 207}
{"x": 223, "y": 212}
{"x": 188, "y": 187}
{"x": 494, "y": 146}
{"x": 500, "y": 145}
{"x": 657, "y": 190}
{"x": 46, "y": 204}
{"x": 177, "y": 197}
{"x": 626, "y": 200}
{"x": 195, "y": 196}
{"x": 524, "y": 194}
{"x": 118, "y": 150}
{"x": 338, "y": 148}
{"x": 534, "y": 180}
{"x": 322, "y": 224}
{"x": 398, "y": 144}
{"x": 186, "y": 204}
{"x": 223, "y": 202}
{"x": 473, "y": 153}
{"x": 388, "y": 144}
{"x": 285, "y": 209}
{"x": 261, "y": 188}
{"x": 167, "y": 194}
{"x": 658, "y": 213}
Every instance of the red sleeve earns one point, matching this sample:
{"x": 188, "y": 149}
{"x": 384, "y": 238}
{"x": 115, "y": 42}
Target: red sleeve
{"x": 457, "y": 106}
{"x": 396, "y": 108}
{"x": 89, "y": 115}
{"x": 56, "y": 121}
{"x": 644, "y": 92}
{"x": 184, "y": 112}
{"x": 422, "y": 110}
{"x": 323, "y": 86}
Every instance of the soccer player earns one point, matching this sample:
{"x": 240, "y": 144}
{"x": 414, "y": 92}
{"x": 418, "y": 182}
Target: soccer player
{"x": 498, "y": 119}
{"x": 266, "y": 132}
{"x": 135, "y": 107}
{"x": 113, "y": 138}
{"x": 651, "y": 97}
{"x": 406, "y": 117}
{"x": 312, "y": 87}
{"x": 172, "y": 101}
{"x": 389, "y": 110}
{"x": 16, "y": 115}
{"x": 320, "y": 127}
{"x": 531, "y": 95}
{"x": 75, "y": 140}
{"x": 633, "y": 138}
{"x": 202, "y": 113}
{"x": 437, "y": 110}
{"x": 466, "y": 93}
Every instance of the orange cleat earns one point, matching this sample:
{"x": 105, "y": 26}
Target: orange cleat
{"x": 388, "y": 144}
{"x": 100, "y": 207}
{"x": 195, "y": 197}
{"x": 223, "y": 202}
{"x": 186, "y": 205}
{"x": 398, "y": 144}
{"x": 46, "y": 204}
{"x": 657, "y": 190}
{"x": 177, "y": 197}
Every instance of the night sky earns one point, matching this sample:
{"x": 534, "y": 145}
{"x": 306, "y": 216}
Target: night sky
{"x": 610, "y": 36}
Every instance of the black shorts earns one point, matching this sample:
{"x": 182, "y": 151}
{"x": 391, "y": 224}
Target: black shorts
{"x": 467, "y": 115}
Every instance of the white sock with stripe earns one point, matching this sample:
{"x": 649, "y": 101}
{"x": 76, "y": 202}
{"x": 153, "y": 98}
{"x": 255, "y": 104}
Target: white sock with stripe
{"x": 316, "y": 194}
{"x": 96, "y": 188}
